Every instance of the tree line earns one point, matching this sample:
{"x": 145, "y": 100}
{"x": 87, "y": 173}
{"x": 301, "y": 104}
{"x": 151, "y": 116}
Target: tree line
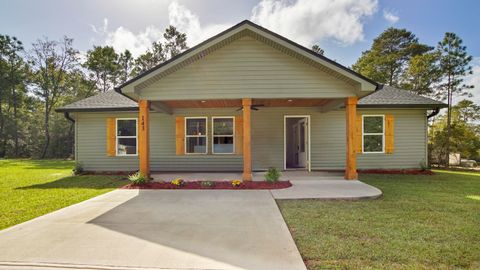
{"x": 53, "y": 73}
{"x": 398, "y": 59}
{"x": 34, "y": 82}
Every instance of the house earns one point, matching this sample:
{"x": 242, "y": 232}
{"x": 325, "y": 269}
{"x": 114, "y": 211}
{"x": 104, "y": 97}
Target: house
{"x": 249, "y": 99}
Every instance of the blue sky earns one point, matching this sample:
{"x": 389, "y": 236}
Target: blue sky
{"x": 343, "y": 28}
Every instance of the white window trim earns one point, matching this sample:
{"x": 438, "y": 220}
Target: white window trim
{"x": 117, "y": 137}
{"x": 382, "y": 134}
{"x": 196, "y": 136}
{"x": 213, "y": 134}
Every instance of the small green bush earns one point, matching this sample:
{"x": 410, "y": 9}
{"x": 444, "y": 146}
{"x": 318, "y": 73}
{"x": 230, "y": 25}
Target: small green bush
{"x": 272, "y": 175}
{"x": 137, "y": 178}
{"x": 423, "y": 165}
{"x": 207, "y": 184}
{"x": 78, "y": 168}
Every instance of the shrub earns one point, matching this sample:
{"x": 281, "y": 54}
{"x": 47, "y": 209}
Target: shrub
{"x": 236, "y": 183}
{"x": 78, "y": 168}
{"x": 272, "y": 175}
{"x": 137, "y": 178}
{"x": 207, "y": 184}
{"x": 423, "y": 165}
{"x": 178, "y": 182}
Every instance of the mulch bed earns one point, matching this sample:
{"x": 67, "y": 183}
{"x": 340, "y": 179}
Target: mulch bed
{"x": 218, "y": 185}
{"x": 411, "y": 172}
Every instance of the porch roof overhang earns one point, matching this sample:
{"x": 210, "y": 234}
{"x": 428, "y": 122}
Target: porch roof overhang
{"x": 323, "y": 104}
{"x": 132, "y": 87}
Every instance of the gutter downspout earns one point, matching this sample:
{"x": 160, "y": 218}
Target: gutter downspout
{"x": 432, "y": 114}
{"x": 67, "y": 115}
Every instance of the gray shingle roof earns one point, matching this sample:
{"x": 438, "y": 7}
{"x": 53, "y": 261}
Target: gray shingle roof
{"x": 388, "y": 96}
{"x": 108, "y": 101}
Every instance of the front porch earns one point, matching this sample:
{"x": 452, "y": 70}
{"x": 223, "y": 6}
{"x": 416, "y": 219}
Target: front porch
{"x": 305, "y": 185}
{"x": 243, "y": 112}
{"x": 256, "y": 176}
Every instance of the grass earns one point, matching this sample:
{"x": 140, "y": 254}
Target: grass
{"x": 422, "y": 222}
{"x": 31, "y": 188}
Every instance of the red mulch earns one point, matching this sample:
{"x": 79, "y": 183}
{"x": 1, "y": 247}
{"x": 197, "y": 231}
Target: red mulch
{"x": 409, "y": 171}
{"x": 218, "y": 185}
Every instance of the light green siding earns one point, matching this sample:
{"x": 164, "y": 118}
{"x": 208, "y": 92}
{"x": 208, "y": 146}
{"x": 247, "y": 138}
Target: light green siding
{"x": 327, "y": 141}
{"x": 247, "y": 68}
{"x": 91, "y": 143}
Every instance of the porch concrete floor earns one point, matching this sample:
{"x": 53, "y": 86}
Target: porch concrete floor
{"x": 256, "y": 176}
{"x": 305, "y": 185}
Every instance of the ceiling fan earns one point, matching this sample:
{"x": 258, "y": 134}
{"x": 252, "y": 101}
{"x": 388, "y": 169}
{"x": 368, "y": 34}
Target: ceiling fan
{"x": 253, "y": 107}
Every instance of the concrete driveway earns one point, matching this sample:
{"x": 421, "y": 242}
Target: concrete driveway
{"x": 156, "y": 229}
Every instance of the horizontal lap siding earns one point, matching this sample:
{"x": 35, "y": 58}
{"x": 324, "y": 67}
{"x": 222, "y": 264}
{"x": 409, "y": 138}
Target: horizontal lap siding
{"x": 247, "y": 68}
{"x": 92, "y": 144}
{"x": 162, "y": 143}
{"x": 327, "y": 141}
{"x": 409, "y": 142}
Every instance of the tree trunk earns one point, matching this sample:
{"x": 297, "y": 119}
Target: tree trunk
{"x": 47, "y": 131}
{"x": 449, "y": 120}
{"x": 2, "y": 126}
{"x": 15, "y": 121}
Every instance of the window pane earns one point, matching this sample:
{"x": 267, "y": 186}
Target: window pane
{"x": 223, "y": 144}
{"x": 127, "y": 146}
{"x": 372, "y": 143}
{"x": 196, "y": 145}
{"x": 196, "y": 126}
{"x": 126, "y": 128}
{"x": 373, "y": 124}
{"x": 223, "y": 126}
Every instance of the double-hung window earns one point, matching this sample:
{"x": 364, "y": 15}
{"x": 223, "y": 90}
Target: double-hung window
{"x": 373, "y": 134}
{"x": 196, "y": 135}
{"x": 223, "y": 135}
{"x": 126, "y": 136}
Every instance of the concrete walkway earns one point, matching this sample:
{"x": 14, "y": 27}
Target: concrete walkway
{"x": 156, "y": 229}
{"x": 328, "y": 190}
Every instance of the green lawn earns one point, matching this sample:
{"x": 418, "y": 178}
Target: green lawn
{"x": 422, "y": 222}
{"x": 31, "y": 188}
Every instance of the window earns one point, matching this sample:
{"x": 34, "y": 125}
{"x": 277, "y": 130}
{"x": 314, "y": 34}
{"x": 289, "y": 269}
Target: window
{"x": 126, "y": 136}
{"x": 373, "y": 130}
{"x": 195, "y": 135}
{"x": 223, "y": 135}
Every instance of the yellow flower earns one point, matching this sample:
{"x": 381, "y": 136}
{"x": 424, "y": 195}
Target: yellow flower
{"x": 177, "y": 182}
{"x": 236, "y": 183}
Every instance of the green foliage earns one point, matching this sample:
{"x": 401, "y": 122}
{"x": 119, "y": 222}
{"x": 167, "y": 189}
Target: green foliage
{"x": 137, "y": 178}
{"x": 207, "y": 184}
{"x": 32, "y": 188}
{"x": 317, "y": 49}
{"x": 421, "y": 222}
{"x": 423, "y": 74}
{"x": 464, "y": 133}
{"x": 387, "y": 59}
{"x": 272, "y": 175}
{"x": 34, "y": 83}
{"x": 78, "y": 169}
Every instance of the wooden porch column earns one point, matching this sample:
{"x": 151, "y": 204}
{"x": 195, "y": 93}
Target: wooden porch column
{"x": 247, "y": 150}
{"x": 143, "y": 137}
{"x": 351, "y": 114}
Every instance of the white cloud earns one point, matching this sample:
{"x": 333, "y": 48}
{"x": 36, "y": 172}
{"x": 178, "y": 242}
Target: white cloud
{"x": 304, "y": 21}
{"x": 124, "y": 39}
{"x": 307, "y": 21}
{"x": 188, "y": 22}
{"x": 390, "y": 17}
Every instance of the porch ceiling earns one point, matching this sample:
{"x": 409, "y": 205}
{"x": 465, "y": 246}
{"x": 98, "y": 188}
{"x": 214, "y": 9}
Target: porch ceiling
{"x": 220, "y": 103}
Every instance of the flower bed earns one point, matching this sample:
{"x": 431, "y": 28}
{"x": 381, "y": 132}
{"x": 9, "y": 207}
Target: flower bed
{"x": 218, "y": 185}
{"x": 408, "y": 171}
